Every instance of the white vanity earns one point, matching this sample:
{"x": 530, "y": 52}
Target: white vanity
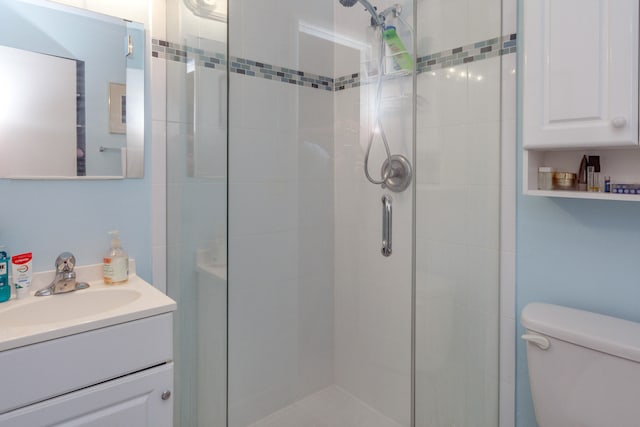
{"x": 101, "y": 356}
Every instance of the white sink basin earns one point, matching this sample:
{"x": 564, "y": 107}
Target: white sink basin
{"x": 36, "y": 319}
{"x": 65, "y": 307}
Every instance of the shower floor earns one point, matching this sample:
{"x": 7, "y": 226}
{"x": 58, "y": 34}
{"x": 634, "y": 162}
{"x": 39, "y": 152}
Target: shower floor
{"x": 329, "y": 407}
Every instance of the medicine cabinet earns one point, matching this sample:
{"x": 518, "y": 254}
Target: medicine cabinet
{"x": 580, "y": 90}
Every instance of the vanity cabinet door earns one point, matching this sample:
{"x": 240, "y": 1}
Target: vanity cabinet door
{"x": 580, "y": 73}
{"x": 134, "y": 400}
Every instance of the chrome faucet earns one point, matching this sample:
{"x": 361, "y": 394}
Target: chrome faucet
{"x": 65, "y": 280}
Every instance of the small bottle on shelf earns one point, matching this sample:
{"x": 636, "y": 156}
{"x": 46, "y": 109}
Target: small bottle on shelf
{"x": 545, "y": 178}
{"x": 581, "y": 184}
{"x": 593, "y": 174}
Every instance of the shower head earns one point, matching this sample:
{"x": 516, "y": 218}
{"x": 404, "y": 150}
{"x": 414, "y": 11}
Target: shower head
{"x": 375, "y": 18}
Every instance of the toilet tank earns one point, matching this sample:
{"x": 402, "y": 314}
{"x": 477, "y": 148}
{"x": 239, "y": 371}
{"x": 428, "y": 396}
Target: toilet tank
{"x": 589, "y": 376}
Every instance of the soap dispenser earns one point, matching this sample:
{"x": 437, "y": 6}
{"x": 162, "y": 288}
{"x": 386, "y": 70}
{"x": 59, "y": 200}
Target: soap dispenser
{"x": 116, "y": 262}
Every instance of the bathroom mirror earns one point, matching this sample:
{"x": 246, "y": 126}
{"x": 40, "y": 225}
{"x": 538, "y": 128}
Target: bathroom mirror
{"x": 71, "y": 93}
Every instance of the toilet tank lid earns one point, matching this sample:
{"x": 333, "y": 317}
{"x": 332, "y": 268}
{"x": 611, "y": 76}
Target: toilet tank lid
{"x": 607, "y": 334}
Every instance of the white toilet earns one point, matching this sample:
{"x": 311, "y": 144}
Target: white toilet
{"x": 584, "y": 368}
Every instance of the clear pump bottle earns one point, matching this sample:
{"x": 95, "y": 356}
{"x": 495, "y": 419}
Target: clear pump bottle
{"x": 116, "y": 262}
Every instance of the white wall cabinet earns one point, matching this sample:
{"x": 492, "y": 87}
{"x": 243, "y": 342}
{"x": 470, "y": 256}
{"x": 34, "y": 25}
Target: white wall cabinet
{"x": 580, "y": 74}
{"x": 580, "y": 90}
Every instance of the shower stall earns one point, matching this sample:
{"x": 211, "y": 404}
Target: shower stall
{"x": 333, "y": 211}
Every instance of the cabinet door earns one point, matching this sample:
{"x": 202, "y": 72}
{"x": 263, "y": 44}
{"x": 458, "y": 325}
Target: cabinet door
{"x": 580, "y": 73}
{"x": 134, "y": 400}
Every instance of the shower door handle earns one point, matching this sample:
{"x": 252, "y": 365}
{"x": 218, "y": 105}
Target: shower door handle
{"x": 386, "y": 224}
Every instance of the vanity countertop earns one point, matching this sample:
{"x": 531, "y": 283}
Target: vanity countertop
{"x": 37, "y": 319}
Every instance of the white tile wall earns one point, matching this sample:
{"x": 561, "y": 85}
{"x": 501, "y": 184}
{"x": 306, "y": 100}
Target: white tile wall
{"x": 159, "y": 89}
{"x": 444, "y": 25}
{"x": 450, "y": 24}
{"x": 156, "y": 15}
{"x": 439, "y": 97}
{"x": 508, "y": 231}
{"x": 159, "y": 219}
{"x": 281, "y": 217}
{"x": 159, "y": 207}
{"x": 179, "y": 93}
{"x": 484, "y": 19}
{"x": 509, "y": 16}
{"x": 182, "y": 24}
{"x": 255, "y": 103}
{"x": 484, "y": 90}
{"x": 159, "y": 267}
{"x": 458, "y": 210}
{"x": 253, "y": 145}
{"x": 372, "y": 293}
{"x": 276, "y": 39}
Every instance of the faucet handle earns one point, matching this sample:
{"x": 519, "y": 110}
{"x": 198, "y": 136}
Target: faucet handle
{"x": 65, "y": 262}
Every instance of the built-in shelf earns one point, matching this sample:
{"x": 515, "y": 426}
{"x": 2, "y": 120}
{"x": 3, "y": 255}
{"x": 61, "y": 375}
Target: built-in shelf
{"x": 583, "y": 195}
{"x": 621, "y": 164}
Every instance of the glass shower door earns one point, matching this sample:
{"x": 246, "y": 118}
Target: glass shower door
{"x": 319, "y": 319}
{"x": 457, "y": 213}
{"x": 196, "y": 65}
{"x": 315, "y": 324}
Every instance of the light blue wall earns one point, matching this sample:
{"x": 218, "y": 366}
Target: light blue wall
{"x": 49, "y": 217}
{"x": 578, "y": 253}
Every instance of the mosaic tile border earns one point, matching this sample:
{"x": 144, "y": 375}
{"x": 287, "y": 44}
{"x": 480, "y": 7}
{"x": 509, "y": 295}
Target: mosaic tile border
{"x": 473, "y": 52}
{"x": 282, "y": 74}
{"x": 470, "y": 53}
{"x": 181, "y": 53}
{"x": 347, "y": 82}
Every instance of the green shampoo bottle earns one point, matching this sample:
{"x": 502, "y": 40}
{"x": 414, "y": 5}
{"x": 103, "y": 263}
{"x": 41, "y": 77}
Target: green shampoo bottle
{"x": 399, "y": 53}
